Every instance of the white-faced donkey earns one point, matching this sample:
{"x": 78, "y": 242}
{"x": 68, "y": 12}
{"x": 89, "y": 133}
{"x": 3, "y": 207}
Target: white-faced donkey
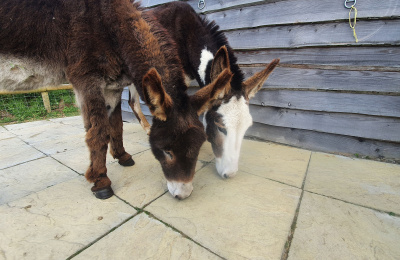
{"x": 204, "y": 52}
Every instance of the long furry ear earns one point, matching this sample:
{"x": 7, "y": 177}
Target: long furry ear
{"x": 159, "y": 102}
{"x": 220, "y": 62}
{"x": 253, "y": 84}
{"x": 203, "y": 98}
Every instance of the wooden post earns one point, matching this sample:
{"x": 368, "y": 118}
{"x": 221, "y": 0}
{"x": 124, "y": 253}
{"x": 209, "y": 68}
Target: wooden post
{"x": 46, "y": 101}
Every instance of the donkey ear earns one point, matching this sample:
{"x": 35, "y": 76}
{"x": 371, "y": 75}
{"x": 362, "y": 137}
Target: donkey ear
{"x": 203, "y": 98}
{"x": 253, "y": 84}
{"x": 159, "y": 102}
{"x": 220, "y": 62}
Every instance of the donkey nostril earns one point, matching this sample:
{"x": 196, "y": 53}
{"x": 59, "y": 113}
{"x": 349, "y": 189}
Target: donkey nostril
{"x": 225, "y": 176}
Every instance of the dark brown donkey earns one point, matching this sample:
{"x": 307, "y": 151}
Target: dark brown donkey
{"x": 199, "y": 41}
{"x": 100, "y": 46}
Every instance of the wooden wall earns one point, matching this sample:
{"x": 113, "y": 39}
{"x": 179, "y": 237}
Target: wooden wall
{"x": 329, "y": 93}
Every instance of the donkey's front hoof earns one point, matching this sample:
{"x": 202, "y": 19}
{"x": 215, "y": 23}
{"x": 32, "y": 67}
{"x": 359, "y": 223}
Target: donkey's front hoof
{"x": 129, "y": 162}
{"x": 104, "y": 193}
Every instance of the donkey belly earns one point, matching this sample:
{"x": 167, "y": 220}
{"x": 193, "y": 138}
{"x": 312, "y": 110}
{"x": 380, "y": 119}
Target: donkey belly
{"x": 18, "y": 74}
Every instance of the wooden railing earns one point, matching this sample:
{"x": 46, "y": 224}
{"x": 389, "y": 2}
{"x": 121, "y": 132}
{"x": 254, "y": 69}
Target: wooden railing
{"x": 44, "y": 91}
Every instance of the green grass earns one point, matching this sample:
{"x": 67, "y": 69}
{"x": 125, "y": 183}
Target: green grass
{"x": 29, "y": 107}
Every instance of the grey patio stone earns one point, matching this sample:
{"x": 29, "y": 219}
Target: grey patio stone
{"x": 21, "y": 180}
{"x": 71, "y": 121}
{"x": 79, "y": 160}
{"x": 47, "y": 131}
{"x": 331, "y": 229}
{"x": 57, "y": 222}
{"x": 145, "y": 238}
{"x": 246, "y": 217}
{"x": 13, "y": 151}
{"x": 369, "y": 183}
{"x": 5, "y": 134}
{"x": 16, "y": 127}
{"x": 273, "y": 161}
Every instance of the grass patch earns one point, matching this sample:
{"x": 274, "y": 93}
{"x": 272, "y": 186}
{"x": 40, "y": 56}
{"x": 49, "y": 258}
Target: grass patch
{"x": 29, "y": 107}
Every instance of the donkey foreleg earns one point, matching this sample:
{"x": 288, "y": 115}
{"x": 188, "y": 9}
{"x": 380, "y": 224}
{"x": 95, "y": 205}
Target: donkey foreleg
{"x": 116, "y": 141}
{"x": 134, "y": 103}
{"x": 93, "y": 109}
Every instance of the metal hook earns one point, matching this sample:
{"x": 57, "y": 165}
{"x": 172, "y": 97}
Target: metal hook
{"x": 201, "y": 4}
{"x": 349, "y": 1}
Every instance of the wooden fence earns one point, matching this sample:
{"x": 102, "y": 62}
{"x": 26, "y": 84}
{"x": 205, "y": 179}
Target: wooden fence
{"x": 329, "y": 93}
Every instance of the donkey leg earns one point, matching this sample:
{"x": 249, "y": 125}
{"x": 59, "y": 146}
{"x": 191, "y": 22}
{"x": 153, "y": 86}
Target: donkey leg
{"x": 95, "y": 118}
{"x": 134, "y": 103}
{"x": 117, "y": 148}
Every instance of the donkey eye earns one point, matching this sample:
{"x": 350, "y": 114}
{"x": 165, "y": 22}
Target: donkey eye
{"x": 222, "y": 130}
{"x": 168, "y": 154}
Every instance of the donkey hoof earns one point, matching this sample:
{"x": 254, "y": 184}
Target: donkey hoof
{"x": 103, "y": 194}
{"x": 129, "y": 162}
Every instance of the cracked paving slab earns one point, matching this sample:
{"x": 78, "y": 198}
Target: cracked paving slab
{"x": 13, "y": 151}
{"x": 368, "y": 183}
{"x": 58, "y": 221}
{"x": 143, "y": 237}
{"x": 21, "y": 180}
{"x": 277, "y": 162}
{"x": 246, "y": 217}
{"x": 331, "y": 229}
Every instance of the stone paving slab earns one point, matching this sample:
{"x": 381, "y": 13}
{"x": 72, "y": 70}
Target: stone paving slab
{"x": 57, "y": 222}
{"x": 62, "y": 144}
{"x": 15, "y": 127}
{"x": 369, "y": 183}
{"x": 21, "y": 180}
{"x": 76, "y": 121}
{"x": 13, "y": 151}
{"x": 332, "y": 229}
{"x": 276, "y": 162}
{"x": 5, "y": 134}
{"x": 246, "y": 217}
{"x": 46, "y": 132}
{"x": 145, "y": 238}
{"x": 78, "y": 158}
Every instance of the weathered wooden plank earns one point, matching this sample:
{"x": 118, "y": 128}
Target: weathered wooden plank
{"x": 324, "y": 142}
{"x": 152, "y": 3}
{"x": 371, "y": 127}
{"x": 375, "y": 32}
{"x": 212, "y": 6}
{"x": 318, "y": 79}
{"x": 378, "y": 105}
{"x": 337, "y": 56}
{"x": 300, "y": 11}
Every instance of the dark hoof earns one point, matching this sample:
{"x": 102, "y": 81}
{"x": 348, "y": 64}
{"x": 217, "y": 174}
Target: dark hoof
{"x": 103, "y": 194}
{"x": 129, "y": 162}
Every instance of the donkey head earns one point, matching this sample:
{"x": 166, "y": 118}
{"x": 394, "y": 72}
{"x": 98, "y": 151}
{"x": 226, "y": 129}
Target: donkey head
{"x": 228, "y": 119}
{"x": 177, "y": 134}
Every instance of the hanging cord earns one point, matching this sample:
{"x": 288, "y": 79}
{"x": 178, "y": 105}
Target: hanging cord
{"x": 353, "y": 26}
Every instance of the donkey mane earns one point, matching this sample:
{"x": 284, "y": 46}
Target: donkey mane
{"x": 220, "y": 40}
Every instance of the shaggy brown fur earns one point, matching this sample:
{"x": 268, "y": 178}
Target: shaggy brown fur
{"x": 101, "y": 46}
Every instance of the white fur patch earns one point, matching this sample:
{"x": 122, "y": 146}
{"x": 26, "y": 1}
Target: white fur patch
{"x": 27, "y": 74}
{"x": 112, "y": 95}
{"x": 237, "y": 119}
{"x": 205, "y": 58}
{"x": 180, "y": 190}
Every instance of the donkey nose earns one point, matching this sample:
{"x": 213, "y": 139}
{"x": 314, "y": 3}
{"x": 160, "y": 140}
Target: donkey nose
{"x": 180, "y": 190}
{"x": 228, "y": 174}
